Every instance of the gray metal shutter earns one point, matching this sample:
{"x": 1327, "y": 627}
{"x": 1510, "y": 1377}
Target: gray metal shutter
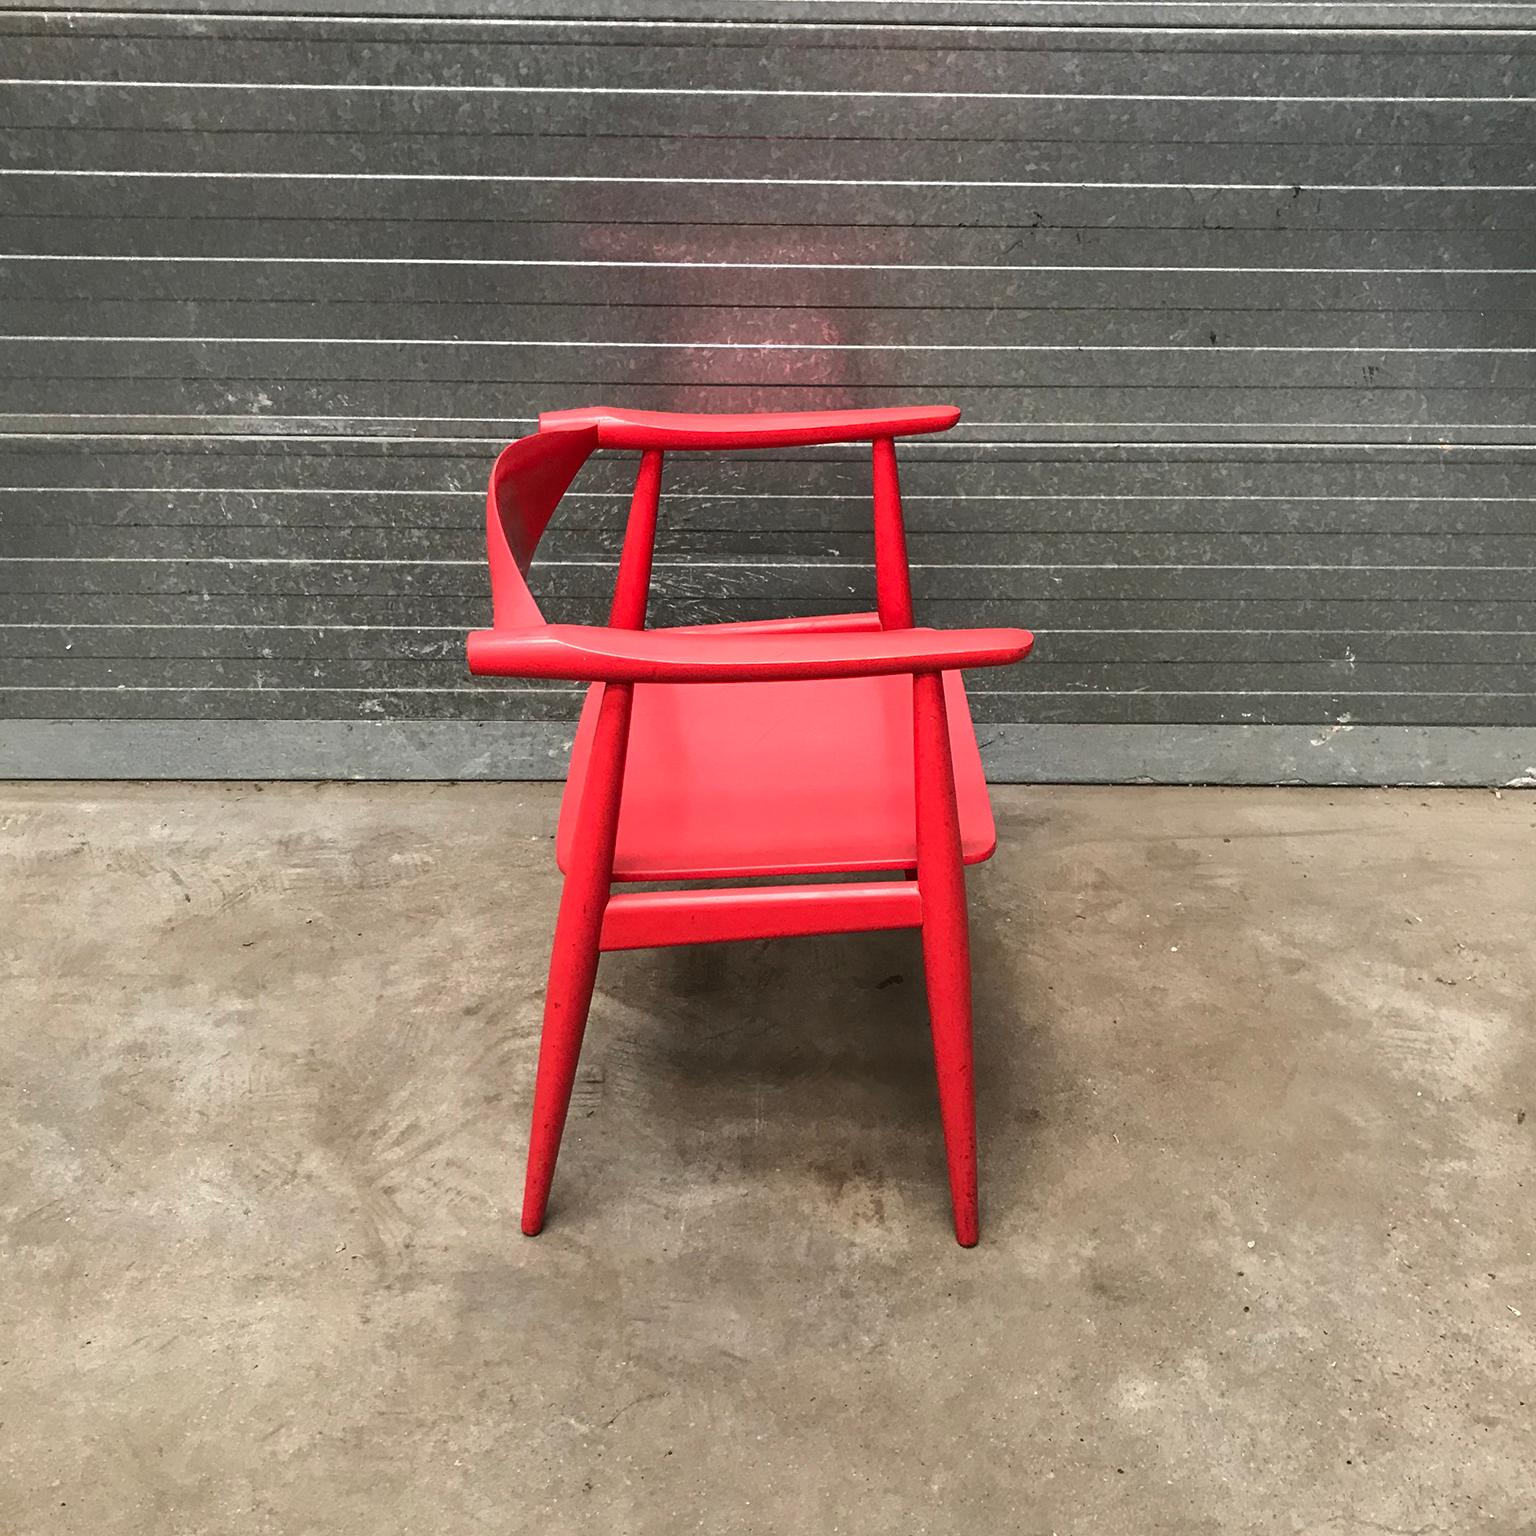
{"x": 1238, "y": 302}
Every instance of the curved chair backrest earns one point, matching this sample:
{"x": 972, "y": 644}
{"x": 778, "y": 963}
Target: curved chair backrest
{"x": 529, "y": 478}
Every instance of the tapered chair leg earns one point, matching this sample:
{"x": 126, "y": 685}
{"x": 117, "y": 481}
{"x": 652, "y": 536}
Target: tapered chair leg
{"x": 573, "y": 965}
{"x": 946, "y": 948}
{"x": 572, "y": 974}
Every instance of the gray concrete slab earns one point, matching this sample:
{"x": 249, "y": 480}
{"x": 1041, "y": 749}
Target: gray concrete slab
{"x": 1259, "y": 1154}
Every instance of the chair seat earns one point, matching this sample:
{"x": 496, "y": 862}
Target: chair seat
{"x": 726, "y": 780}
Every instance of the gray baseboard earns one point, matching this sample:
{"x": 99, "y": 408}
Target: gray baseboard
{"x": 1019, "y": 754}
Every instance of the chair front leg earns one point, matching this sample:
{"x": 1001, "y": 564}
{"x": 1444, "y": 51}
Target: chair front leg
{"x": 946, "y": 946}
{"x": 578, "y": 931}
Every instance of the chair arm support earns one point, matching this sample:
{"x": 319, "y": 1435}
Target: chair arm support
{"x": 594, "y": 654}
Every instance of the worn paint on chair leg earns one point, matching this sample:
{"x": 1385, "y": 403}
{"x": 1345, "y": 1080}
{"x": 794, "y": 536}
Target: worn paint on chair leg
{"x": 946, "y": 947}
{"x": 573, "y": 965}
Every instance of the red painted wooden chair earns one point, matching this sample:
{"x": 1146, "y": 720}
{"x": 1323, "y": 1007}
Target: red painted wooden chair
{"x": 783, "y": 747}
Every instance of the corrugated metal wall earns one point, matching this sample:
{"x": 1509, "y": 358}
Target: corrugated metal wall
{"x": 1239, "y": 307}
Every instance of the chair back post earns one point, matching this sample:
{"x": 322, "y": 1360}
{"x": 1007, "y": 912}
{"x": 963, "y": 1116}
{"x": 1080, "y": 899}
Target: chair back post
{"x": 632, "y": 590}
{"x": 893, "y": 579}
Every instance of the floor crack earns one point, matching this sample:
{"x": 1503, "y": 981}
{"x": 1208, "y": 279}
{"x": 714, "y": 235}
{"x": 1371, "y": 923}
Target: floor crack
{"x": 645, "y": 1397}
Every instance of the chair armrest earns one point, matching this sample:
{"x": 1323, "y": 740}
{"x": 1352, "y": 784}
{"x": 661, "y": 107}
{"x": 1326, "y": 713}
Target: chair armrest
{"x": 594, "y": 654}
{"x": 787, "y": 429}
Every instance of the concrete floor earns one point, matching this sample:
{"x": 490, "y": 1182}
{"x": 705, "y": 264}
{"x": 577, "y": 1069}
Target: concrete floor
{"x": 1259, "y": 1159}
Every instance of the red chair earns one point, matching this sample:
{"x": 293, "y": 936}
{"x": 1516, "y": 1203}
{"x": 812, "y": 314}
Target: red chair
{"x": 837, "y": 744}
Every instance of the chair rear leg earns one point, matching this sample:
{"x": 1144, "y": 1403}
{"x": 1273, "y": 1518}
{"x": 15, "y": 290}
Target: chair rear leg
{"x": 946, "y": 948}
{"x": 573, "y": 964}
